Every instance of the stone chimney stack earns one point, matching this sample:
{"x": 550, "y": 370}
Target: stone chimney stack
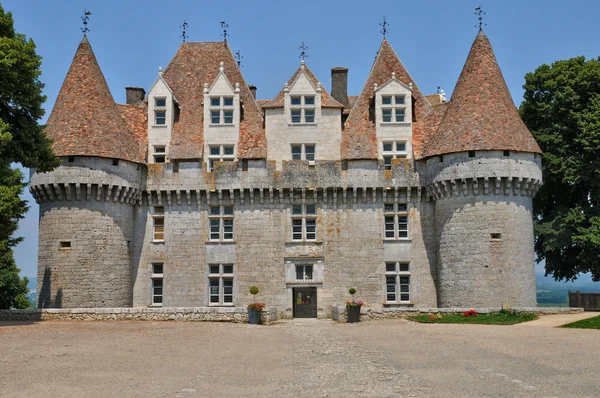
{"x": 253, "y": 91}
{"x": 339, "y": 84}
{"x": 134, "y": 95}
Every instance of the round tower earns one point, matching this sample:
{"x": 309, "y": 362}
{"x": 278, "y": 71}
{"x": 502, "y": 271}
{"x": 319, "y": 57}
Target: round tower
{"x": 483, "y": 169}
{"x": 86, "y": 231}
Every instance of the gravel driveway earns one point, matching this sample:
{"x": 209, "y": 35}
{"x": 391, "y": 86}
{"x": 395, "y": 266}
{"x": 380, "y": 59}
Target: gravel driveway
{"x": 391, "y": 358}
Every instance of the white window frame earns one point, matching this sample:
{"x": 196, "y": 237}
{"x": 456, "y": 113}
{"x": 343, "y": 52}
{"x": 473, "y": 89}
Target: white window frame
{"x": 307, "y": 221}
{"x": 393, "y": 107}
{"x": 398, "y": 213}
{"x": 222, "y": 109}
{"x": 400, "y": 282}
{"x": 304, "y": 155}
{"x": 221, "y": 277}
{"x": 222, "y": 156}
{"x": 306, "y": 276}
{"x": 158, "y": 218}
{"x": 159, "y": 151}
{"x": 157, "y": 276}
{"x": 223, "y": 221}
{"x": 394, "y": 153}
{"x": 160, "y": 109}
{"x": 303, "y": 108}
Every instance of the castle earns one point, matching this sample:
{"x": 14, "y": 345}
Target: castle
{"x": 192, "y": 193}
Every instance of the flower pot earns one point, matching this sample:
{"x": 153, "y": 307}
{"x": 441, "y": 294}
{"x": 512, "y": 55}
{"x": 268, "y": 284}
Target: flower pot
{"x": 353, "y": 312}
{"x": 253, "y": 316}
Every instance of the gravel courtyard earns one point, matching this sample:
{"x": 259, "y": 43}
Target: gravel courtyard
{"x": 392, "y": 358}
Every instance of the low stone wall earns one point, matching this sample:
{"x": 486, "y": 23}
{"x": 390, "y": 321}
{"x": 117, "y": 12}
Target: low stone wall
{"x": 366, "y": 313}
{"x": 211, "y": 314}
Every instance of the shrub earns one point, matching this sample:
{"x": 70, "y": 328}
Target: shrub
{"x": 352, "y": 291}
{"x": 470, "y": 313}
{"x": 254, "y": 290}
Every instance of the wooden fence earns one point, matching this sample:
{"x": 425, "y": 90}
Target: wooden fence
{"x": 587, "y": 301}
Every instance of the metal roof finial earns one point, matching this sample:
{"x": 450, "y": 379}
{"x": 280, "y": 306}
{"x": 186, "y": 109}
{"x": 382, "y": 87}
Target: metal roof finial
{"x": 184, "y": 28}
{"x": 384, "y": 26}
{"x": 303, "y": 55}
{"x": 224, "y": 26}
{"x": 85, "y": 19}
{"x": 479, "y": 12}
{"x": 238, "y": 57}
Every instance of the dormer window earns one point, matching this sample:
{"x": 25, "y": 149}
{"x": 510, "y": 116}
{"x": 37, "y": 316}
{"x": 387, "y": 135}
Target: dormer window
{"x": 303, "y": 108}
{"x": 160, "y": 102}
{"x": 220, "y": 153}
{"x": 393, "y": 108}
{"x": 160, "y": 111}
{"x": 159, "y": 154}
{"x": 221, "y": 110}
{"x": 392, "y": 150}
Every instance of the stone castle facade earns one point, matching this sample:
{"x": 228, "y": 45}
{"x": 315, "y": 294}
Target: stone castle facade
{"x": 189, "y": 195}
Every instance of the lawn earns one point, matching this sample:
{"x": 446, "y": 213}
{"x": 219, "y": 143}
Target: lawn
{"x": 485, "y": 319}
{"x": 590, "y": 323}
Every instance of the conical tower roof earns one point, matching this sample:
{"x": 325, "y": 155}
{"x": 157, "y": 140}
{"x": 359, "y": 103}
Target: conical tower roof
{"x": 359, "y": 139}
{"x": 481, "y": 114}
{"x": 85, "y": 120}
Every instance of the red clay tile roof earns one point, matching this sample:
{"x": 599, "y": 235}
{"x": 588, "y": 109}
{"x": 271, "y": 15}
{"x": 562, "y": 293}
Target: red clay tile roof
{"x": 85, "y": 120}
{"x": 425, "y": 128}
{"x": 193, "y": 65}
{"x": 136, "y": 120}
{"x": 359, "y": 136}
{"x": 481, "y": 114}
{"x": 434, "y": 99}
{"x": 327, "y": 101}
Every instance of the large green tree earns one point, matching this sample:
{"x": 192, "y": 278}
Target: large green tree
{"x": 562, "y": 110}
{"x": 22, "y": 140}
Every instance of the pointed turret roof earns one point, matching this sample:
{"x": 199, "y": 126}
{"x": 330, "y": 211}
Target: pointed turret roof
{"x": 327, "y": 101}
{"x": 85, "y": 120}
{"x": 359, "y": 139}
{"x": 193, "y": 65}
{"x": 481, "y": 114}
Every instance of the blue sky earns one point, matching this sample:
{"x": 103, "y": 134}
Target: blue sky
{"x": 131, "y": 39}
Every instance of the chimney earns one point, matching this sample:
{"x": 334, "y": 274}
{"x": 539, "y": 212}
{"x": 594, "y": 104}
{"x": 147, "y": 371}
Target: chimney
{"x": 339, "y": 84}
{"x": 134, "y": 95}
{"x": 253, "y": 91}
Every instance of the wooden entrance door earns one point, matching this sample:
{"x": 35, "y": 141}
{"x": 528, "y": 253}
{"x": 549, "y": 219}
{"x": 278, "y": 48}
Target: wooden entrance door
{"x": 305, "y": 302}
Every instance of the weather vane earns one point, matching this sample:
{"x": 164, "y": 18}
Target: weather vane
{"x": 303, "y": 53}
{"x": 184, "y": 28}
{"x": 238, "y": 57}
{"x": 224, "y": 26}
{"x": 479, "y": 12}
{"x": 85, "y": 19}
{"x": 384, "y": 26}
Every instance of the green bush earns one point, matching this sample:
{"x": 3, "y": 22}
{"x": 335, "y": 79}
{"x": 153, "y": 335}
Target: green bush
{"x": 352, "y": 291}
{"x": 254, "y": 290}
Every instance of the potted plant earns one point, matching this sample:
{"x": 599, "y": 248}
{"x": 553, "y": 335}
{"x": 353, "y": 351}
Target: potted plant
{"x": 254, "y": 308}
{"x": 353, "y": 307}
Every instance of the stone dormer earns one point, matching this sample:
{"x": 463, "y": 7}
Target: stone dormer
{"x": 162, "y": 107}
{"x": 393, "y": 119}
{"x": 303, "y": 123}
{"x": 222, "y": 117}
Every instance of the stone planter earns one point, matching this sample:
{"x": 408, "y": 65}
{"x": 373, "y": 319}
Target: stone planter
{"x": 253, "y": 316}
{"x": 353, "y": 313}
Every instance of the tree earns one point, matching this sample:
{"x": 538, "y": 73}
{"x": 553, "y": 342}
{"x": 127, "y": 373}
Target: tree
{"x": 22, "y": 140}
{"x": 561, "y": 107}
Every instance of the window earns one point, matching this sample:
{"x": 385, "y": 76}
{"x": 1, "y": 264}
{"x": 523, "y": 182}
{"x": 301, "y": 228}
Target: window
{"x": 304, "y": 222}
{"x": 220, "y": 153}
{"x": 303, "y": 108}
{"x": 220, "y": 281}
{"x": 157, "y": 284}
{"x": 506, "y": 153}
{"x": 471, "y": 154}
{"x": 221, "y": 110}
{"x": 65, "y": 245}
{"x": 158, "y": 224}
{"x": 303, "y": 152}
{"x": 397, "y": 282}
{"x": 496, "y": 236}
{"x": 71, "y": 159}
{"x": 304, "y": 272}
{"x": 393, "y": 108}
{"x": 115, "y": 162}
{"x": 160, "y": 154}
{"x": 392, "y": 150}
{"x": 396, "y": 220}
{"x": 160, "y": 111}
{"x": 220, "y": 219}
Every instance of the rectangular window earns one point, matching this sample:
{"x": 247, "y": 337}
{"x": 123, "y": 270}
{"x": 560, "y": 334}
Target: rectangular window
{"x": 157, "y": 284}
{"x": 160, "y": 118}
{"x": 227, "y": 101}
{"x": 309, "y": 100}
{"x": 304, "y": 222}
{"x": 399, "y": 115}
{"x": 215, "y": 117}
{"x": 228, "y": 117}
{"x": 397, "y": 282}
{"x": 160, "y": 102}
{"x": 399, "y": 99}
{"x": 386, "y": 100}
{"x": 220, "y": 153}
{"x": 159, "y": 154}
{"x": 386, "y": 115}
{"x": 296, "y": 116}
{"x": 309, "y": 116}
{"x": 296, "y": 100}
{"x": 392, "y": 150}
{"x": 221, "y": 223}
{"x": 215, "y": 101}
{"x": 309, "y": 151}
{"x": 158, "y": 223}
{"x": 396, "y": 221}
{"x": 304, "y": 272}
{"x": 393, "y": 105}
{"x": 303, "y": 152}
{"x": 220, "y": 284}
{"x": 296, "y": 152}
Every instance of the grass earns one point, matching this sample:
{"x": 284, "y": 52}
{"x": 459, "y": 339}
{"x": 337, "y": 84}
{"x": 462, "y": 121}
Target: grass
{"x": 590, "y": 323}
{"x": 485, "y": 319}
